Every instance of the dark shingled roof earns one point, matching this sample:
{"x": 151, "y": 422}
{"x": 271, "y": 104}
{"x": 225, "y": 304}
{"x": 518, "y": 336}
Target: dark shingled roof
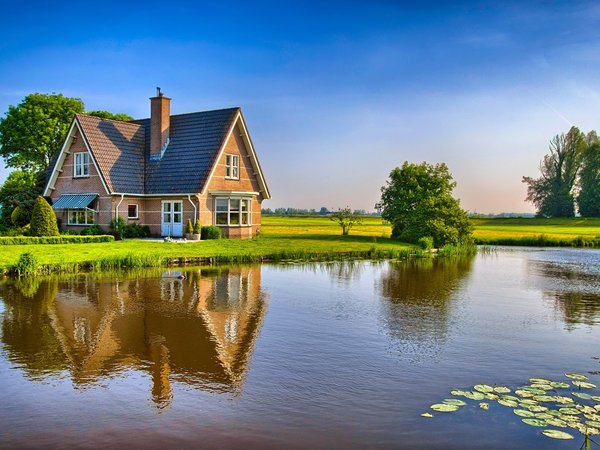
{"x": 118, "y": 148}
{"x": 122, "y": 151}
{"x": 195, "y": 140}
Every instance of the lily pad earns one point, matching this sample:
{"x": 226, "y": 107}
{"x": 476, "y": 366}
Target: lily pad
{"x": 535, "y": 422}
{"x": 544, "y": 416}
{"x": 474, "y": 395}
{"x": 523, "y": 413}
{"x": 541, "y": 387}
{"x": 502, "y": 390}
{"x": 444, "y": 407}
{"x": 570, "y": 411}
{"x": 540, "y": 381}
{"x": 537, "y": 408}
{"x": 427, "y": 415}
{"x": 484, "y": 405}
{"x": 584, "y": 385}
{"x": 457, "y": 392}
{"x": 559, "y": 385}
{"x": 511, "y": 397}
{"x": 528, "y": 401}
{"x": 557, "y": 434}
{"x": 545, "y": 398}
{"x": 524, "y": 393}
{"x": 593, "y": 423}
{"x": 563, "y": 399}
{"x": 509, "y": 403}
{"x": 596, "y": 398}
{"x": 491, "y": 396}
{"x": 582, "y": 395}
{"x": 556, "y": 422}
{"x": 454, "y": 401}
{"x": 576, "y": 376}
{"x": 483, "y": 388}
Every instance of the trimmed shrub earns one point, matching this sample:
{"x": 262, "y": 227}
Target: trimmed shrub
{"x": 210, "y": 232}
{"x": 189, "y": 228}
{"x": 20, "y": 216}
{"x": 61, "y": 239}
{"x": 93, "y": 230}
{"x": 133, "y": 230}
{"x": 43, "y": 219}
{"x": 117, "y": 225}
{"x": 197, "y": 227}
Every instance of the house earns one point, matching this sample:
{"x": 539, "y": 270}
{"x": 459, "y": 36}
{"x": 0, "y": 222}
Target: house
{"x": 160, "y": 172}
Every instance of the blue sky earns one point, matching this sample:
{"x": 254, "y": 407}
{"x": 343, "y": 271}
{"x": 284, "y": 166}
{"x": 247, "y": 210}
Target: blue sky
{"x": 335, "y": 94}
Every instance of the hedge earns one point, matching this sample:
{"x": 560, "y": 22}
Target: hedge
{"x": 64, "y": 239}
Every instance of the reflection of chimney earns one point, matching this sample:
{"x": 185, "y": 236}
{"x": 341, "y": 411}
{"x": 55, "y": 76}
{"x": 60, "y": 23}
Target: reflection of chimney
{"x": 160, "y": 112}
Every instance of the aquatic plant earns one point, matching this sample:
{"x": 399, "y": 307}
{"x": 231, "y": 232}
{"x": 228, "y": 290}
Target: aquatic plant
{"x": 27, "y": 264}
{"x": 543, "y": 403}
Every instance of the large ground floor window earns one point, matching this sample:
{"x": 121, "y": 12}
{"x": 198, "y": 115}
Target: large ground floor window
{"x": 233, "y": 212}
{"x": 80, "y": 217}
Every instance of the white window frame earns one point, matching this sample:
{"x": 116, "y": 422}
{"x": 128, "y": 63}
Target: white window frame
{"x": 232, "y": 166}
{"x": 137, "y": 211}
{"x": 231, "y": 212}
{"x": 81, "y": 165}
{"x": 87, "y": 214}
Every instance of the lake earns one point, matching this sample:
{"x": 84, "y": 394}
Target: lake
{"x": 331, "y": 355}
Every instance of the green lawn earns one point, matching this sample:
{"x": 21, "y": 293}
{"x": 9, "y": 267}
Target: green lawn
{"x": 298, "y": 237}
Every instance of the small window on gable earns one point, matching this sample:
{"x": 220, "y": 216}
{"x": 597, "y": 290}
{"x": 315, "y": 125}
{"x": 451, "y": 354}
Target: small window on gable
{"x": 132, "y": 211}
{"x": 232, "y": 166}
{"x": 81, "y": 168}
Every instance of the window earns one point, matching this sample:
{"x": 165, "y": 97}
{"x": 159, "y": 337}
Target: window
{"x": 80, "y": 217}
{"x": 233, "y": 212}
{"x": 232, "y": 166}
{"x": 82, "y": 165}
{"x": 132, "y": 211}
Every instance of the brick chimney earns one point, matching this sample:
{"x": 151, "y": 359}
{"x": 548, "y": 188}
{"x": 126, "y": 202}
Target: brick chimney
{"x": 160, "y": 113}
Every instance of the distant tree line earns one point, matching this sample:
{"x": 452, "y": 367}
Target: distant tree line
{"x": 323, "y": 211}
{"x": 570, "y": 177}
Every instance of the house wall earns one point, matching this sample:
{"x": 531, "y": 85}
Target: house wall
{"x": 246, "y": 183}
{"x": 66, "y": 183}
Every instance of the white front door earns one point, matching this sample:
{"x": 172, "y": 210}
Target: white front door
{"x": 172, "y": 218}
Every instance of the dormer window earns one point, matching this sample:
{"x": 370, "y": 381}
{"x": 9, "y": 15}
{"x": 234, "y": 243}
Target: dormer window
{"x": 232, "y": 167}
{"x": 82, "y": 165}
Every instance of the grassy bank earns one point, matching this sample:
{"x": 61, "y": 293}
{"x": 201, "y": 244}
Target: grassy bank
{"x": 288, "y": 238}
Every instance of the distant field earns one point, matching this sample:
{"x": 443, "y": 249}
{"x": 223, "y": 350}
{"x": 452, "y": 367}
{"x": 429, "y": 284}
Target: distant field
{"x": 562, "y": 231}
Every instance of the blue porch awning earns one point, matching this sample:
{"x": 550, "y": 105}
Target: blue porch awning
{"x": 74, "y": 201}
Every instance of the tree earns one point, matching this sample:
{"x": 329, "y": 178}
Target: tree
{"x": 18, "y": 189}
{"x": 32, "y": 132}
{"x": 20, "y": 216}
{"x": 588, "y": 200}
{"x": 552, "y": 193}
{"x": 417, "y": 200}
{"x": 113, "y": 116}
{"x": 345, "y": 219}
{"x": 43, "y": 219}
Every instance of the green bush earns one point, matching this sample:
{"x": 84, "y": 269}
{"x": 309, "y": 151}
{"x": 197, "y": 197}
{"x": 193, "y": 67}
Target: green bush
{"x": 61, "y": 239}
{"x": 93, "y": 230}
{"x": 20, "y": 216}
{"x": 210, "y": 232}
{"x": 27, "y": 264}
{"x": 197, "y": 227}
{"x": 189, "y": 228}
{"x": 43, "y": 219}
{"x": 117, "y": 224}
{"x": 426, "y": 242}
{"x": 69, "y": 232}
{"x": 133, "y": 230}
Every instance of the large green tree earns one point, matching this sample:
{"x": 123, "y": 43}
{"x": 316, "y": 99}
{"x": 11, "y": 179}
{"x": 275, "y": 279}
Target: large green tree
{"x": 588, "y": 199}
{"x": 417, "y": 200}
{"x": 18, "y": 189}
{"x": 553, "y": 193}
{"x": 32, "y": 132}
{"x": 113, "y": 116}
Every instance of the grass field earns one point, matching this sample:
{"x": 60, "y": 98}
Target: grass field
{"x": 295, "y": 238}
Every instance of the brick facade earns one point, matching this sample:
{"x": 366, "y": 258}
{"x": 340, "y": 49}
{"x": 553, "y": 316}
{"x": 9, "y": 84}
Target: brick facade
{"x": 150, "y": 207}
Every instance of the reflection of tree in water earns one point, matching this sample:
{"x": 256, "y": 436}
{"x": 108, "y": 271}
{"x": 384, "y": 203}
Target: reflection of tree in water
{"x": 574, "y": 290}
{"x": 199, "y": 330}
{"x": 419, "y": 294}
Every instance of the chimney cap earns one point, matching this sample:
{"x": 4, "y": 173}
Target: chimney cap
{"x": 158, "y": 93}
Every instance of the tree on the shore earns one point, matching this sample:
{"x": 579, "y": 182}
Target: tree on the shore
{"x": 346, "y": 219}
{"x": 553, "y": 193}
{"x": 43, "y": 219}
{"x": 588, "y": 199}
{"x": 418, "y": 202}
{"x": 32, "y": 132}
{"x": 19, "y": 189}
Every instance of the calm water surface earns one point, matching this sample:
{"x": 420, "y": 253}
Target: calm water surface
{"x": 296, "y": 356}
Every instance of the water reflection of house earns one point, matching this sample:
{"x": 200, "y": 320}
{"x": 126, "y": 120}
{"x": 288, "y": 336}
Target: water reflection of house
{"x": 199, "y": 330}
